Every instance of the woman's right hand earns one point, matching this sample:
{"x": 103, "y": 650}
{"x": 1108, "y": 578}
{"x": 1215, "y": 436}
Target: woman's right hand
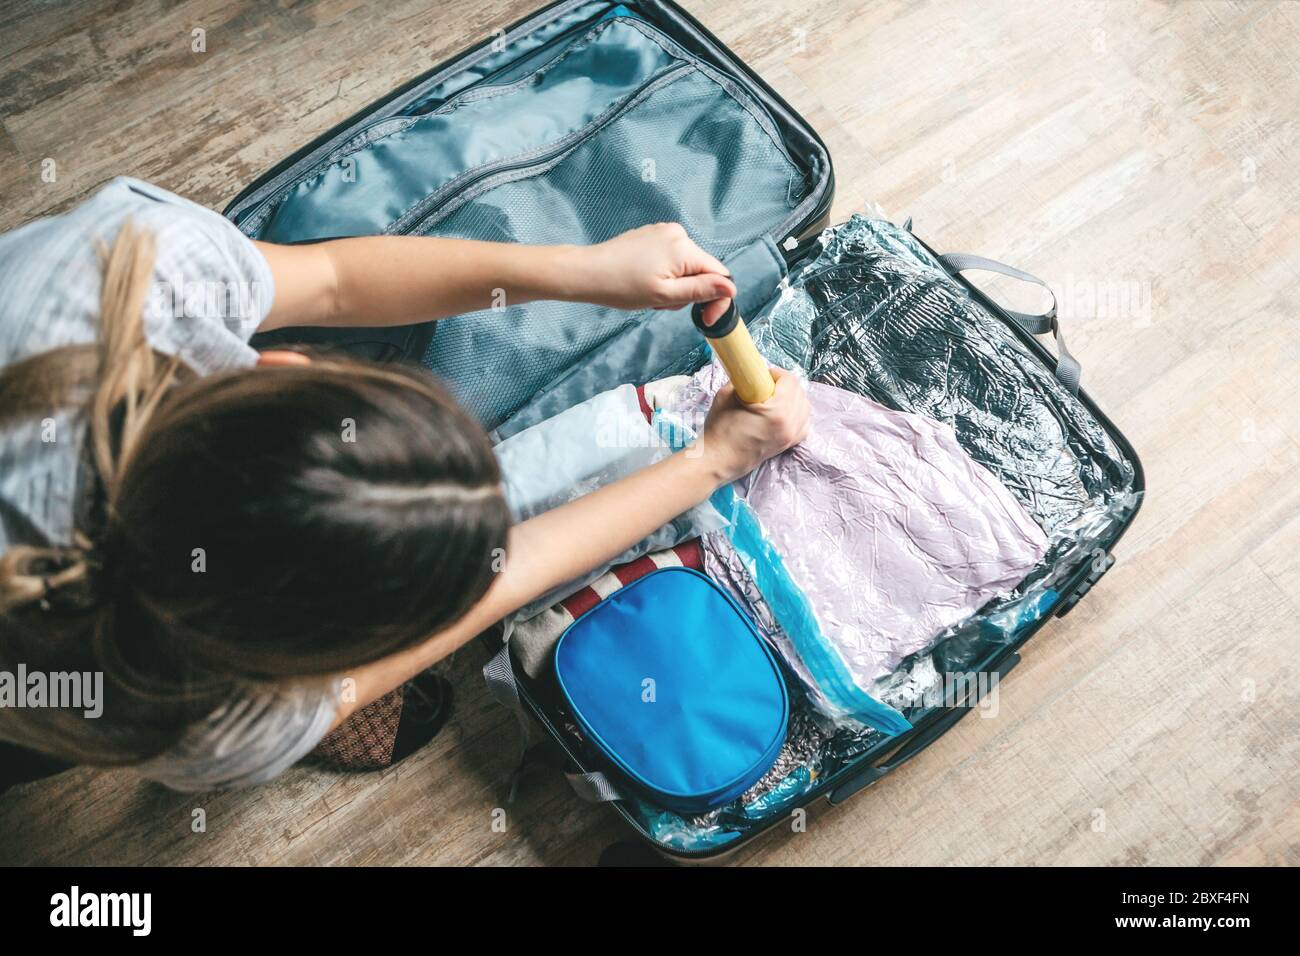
{"x": 737, "y": 438}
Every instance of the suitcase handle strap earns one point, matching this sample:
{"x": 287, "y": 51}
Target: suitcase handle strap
{"x": 594, "y": 787}
{"x": 1068, "y": 369}
{"x": 499, "y": 674}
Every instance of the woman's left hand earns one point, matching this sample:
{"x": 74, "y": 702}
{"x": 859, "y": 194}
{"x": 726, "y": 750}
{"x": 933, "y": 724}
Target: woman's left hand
{"x": 654, "y": 267}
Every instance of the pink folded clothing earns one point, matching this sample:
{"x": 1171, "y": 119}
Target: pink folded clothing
{"x": 887, "y": 527}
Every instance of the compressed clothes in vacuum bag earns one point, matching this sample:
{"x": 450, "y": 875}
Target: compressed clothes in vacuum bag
{"x": 885, "y": 531}
{"x": 873, "y": 313}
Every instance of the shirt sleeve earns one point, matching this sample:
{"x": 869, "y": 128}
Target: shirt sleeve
{"x": 212, "y": 286}
{"x": 210, "y": 292}
{"x": 252, "y": 738}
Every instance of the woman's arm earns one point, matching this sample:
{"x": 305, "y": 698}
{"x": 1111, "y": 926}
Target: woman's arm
{"x": 568, "y": 541}
{"x": 399, "y": 280}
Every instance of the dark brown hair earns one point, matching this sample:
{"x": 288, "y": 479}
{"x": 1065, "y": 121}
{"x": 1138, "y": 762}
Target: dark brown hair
{"x": 264, "y": 525}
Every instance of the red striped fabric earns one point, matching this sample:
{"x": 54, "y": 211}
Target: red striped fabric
{"x": 646, "y": 410}
{"x": 688, "y": 554}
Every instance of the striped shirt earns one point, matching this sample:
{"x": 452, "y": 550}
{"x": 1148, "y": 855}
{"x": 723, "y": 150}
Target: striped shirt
{"x": 211, "y": 290}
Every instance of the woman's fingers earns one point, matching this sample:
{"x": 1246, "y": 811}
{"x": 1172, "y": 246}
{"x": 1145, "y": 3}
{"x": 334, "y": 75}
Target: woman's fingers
{"x": 705, "y": 287}
{"x": 697, "y": 260}
{"x": 658, "y": 266}
{"x": 282, "y": 357}
{"x": 713, "y": 311}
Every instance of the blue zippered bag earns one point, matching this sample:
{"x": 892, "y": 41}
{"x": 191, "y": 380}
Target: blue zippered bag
{"x": 673, "y": 684}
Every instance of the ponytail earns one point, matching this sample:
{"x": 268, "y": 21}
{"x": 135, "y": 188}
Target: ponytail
{"x": 124, "y": 379}
{"x": 321, "y": 553}
{"x": 55, "y": 601}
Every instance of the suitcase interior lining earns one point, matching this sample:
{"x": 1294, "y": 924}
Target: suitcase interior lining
{"x": 536, "y": 152}
{"x": 725, "y": 203}
{"x": 394, "y": 168}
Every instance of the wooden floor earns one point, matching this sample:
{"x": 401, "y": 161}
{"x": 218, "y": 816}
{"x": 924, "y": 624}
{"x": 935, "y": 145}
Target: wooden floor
{"x": 1143, "y": 156}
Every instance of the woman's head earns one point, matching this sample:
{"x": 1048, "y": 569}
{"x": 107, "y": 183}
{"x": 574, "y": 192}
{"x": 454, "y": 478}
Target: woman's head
{"x": 299, "y": 520}
{"x": 268, "y": 523}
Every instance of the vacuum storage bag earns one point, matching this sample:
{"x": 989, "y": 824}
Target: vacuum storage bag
{"x": 886, "y": 534}
{"x": 875, "y": 314}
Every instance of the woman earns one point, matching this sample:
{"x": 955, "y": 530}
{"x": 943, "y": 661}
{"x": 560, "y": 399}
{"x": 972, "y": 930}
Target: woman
{"x": 251, "y": 548}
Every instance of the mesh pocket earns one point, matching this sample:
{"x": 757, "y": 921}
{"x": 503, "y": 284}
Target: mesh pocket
{"x": 687, "y": 153}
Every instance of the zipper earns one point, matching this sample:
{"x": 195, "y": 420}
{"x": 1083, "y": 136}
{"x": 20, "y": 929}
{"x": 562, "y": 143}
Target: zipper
{"x": 364, "y": 136}
{"x": 486, "y": 88}
{"x": 374, "y": 129}
{"x": 472, "y": 183}
{"x": 292, "y": 165}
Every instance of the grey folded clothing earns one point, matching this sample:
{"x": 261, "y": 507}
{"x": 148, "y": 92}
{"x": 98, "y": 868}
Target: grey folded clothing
{"x": 579, "y": 450}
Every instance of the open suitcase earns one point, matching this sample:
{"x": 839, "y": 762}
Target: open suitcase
{"x": 587, "y": 118}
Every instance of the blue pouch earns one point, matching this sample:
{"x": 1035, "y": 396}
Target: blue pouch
{"x": 674, "y": 685}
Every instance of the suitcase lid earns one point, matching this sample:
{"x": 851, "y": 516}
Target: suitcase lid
{"x": 578, "y": 122}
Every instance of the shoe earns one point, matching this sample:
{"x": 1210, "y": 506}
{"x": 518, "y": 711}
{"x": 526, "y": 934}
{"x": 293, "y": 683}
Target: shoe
{"x": 426, "y": 706}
